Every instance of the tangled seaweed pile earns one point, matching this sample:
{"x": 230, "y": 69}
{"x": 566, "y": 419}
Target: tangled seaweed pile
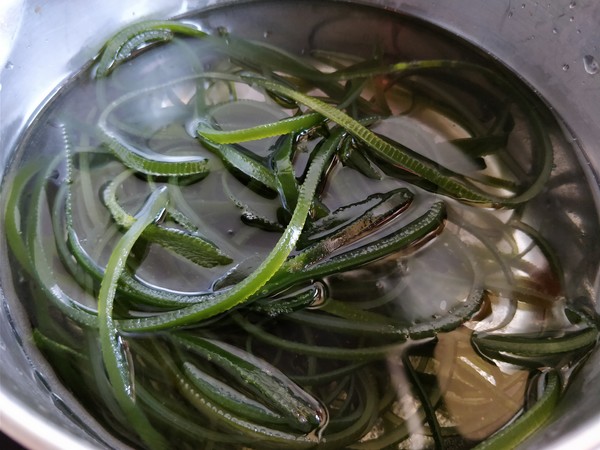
{"x": 367, "y": 297}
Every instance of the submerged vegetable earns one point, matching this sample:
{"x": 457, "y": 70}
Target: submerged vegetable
{"x": 265, "y": 251}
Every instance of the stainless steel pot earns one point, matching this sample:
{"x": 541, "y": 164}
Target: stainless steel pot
{"x": 553, "y": 44}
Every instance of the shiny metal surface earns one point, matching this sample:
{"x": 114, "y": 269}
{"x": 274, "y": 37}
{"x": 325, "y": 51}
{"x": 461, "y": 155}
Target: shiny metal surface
{"x": 552, "y": 44}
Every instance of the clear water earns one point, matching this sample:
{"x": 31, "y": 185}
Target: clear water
{"x": 532, "y": 277}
